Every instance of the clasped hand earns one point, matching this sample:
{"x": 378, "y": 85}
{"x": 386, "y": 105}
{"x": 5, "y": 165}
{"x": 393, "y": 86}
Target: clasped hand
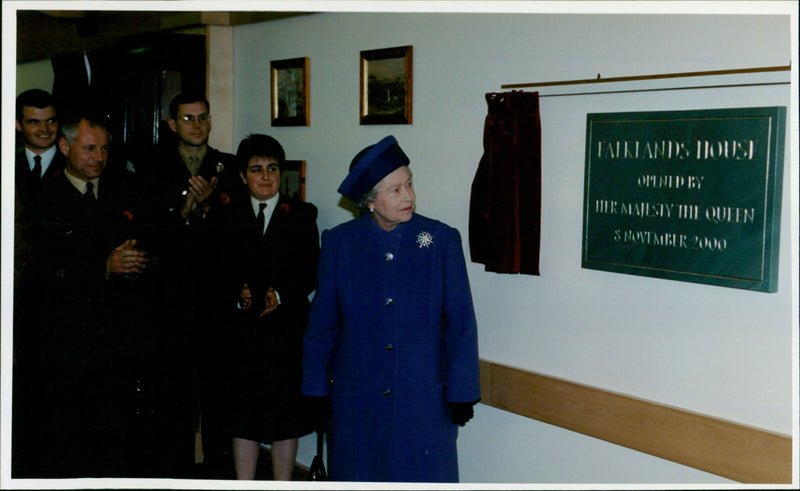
{"x": 126, "y": 259}
{"x": 246, "y": 300}
{"x": 198, "y": 193}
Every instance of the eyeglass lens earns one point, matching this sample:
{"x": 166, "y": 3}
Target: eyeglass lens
{"x": 203, "y": 118}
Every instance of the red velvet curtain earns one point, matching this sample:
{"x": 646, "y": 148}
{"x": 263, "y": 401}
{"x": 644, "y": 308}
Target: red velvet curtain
{"x": 505, "y": 205}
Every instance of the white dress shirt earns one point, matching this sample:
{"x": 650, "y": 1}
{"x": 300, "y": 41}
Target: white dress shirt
{"x": 80, "y": 184}
{"x": 271, "y": 204}
{"x": 47, "y": 158}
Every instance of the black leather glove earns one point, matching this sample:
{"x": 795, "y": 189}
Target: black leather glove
{"x": 461, "y": 412}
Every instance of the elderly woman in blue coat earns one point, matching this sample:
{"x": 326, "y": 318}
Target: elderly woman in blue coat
{"x": 391, "y": 342}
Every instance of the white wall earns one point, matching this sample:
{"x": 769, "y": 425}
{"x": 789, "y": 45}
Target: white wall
{"x": 713, "y": 350}
{"x": 35, "y": 75}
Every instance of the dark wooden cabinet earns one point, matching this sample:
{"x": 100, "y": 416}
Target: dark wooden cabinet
{"x": 132, "y": 83}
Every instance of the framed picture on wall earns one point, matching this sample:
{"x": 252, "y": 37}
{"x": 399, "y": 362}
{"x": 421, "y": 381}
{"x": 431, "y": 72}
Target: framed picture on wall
{"x": 386, "y": 86}
{"x": 293, "y": 179}
{"x": 289, "y": 92}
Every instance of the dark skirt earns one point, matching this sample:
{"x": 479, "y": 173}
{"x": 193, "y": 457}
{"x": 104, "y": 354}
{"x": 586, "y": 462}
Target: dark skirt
{"x": 264, "y": 378}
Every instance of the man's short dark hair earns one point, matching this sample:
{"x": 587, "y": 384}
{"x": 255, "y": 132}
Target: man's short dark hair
{"x": 258, "y": 145}
{"x": 187, "y": 98}
{"x": 37, "y": 98}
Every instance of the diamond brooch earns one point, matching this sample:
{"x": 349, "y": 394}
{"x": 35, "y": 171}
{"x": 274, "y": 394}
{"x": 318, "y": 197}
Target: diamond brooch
{"x": 424, "y": 239}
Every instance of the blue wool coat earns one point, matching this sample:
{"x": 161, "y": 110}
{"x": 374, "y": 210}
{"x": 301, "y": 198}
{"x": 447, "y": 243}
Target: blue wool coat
{"x": 392, "y": 338}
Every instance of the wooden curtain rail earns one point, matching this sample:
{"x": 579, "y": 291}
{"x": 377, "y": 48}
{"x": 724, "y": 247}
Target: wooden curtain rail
{"x": 598, "y": 80}
{"x": 663, "y": 89}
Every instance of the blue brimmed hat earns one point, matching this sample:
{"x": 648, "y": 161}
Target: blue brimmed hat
{"x": 371, "y": 165}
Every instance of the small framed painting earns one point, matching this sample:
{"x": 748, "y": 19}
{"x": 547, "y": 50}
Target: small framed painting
{"x": 293, "y": 179}
{"x": 289, "y": 94}
{"x": 386, "y": 86}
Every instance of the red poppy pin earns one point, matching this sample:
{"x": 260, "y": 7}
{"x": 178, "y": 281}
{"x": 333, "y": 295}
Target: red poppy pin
{"x": 285, "y": 207}
{"x": 224, "y": 198}
{"x": 128, "y": 215}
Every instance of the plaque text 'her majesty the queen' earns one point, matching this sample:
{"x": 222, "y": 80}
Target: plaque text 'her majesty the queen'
{"x": 685, "y": 195}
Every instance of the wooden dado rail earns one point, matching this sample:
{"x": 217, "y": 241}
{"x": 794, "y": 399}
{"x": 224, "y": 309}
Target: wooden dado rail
{"x": 720, "y": 447}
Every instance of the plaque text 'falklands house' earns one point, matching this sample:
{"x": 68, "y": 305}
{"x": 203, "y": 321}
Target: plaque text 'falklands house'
{"x": 686, "y": 195}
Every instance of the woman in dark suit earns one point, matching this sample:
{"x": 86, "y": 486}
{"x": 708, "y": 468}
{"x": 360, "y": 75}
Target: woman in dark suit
{"x": 271, "y": 243}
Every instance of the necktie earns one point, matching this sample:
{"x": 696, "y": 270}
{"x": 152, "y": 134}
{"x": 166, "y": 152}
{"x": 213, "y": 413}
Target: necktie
{"x": 260, "y": 218}
{"x": 37, "y": 167}
{"x": 89, "y": 194}
{"x": 194, "y": 165}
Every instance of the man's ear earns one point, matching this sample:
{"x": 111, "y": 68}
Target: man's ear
{"x": 17, "y": 125}
{"x": 63, "y": 145}
{"x": 172, "y": 125}
{"x": 244, "y": 180}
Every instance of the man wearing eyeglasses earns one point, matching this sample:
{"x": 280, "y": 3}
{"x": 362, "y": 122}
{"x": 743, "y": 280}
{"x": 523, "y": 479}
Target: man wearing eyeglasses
{"x": 186, "y": 179}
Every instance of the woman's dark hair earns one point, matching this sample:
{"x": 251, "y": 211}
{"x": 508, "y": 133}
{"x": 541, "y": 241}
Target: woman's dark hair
{"x": 258, "y": 145}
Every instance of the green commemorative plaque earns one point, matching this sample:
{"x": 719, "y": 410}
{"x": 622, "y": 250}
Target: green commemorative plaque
{"x": 686, "y": 195}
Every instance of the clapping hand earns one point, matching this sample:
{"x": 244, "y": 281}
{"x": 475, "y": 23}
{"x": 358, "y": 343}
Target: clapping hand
{"x": 200, "y": 189}
{"x": 245, "y": 297}
{"x": 126, "y": 259}
{"x": 198, "y": 193}
{"x": 271, "y": 302}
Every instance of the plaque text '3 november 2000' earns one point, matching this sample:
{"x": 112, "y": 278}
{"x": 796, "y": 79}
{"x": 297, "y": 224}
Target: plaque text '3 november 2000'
{"x": 686, "y": 195}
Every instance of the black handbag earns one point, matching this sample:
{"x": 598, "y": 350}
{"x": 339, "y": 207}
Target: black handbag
{"x": 317, "y": 470}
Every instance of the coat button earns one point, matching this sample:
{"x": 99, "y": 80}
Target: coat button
{"x": 388, "y": 347}
{"x": 388, "y": 256}
{"x": 388, "y": 301}
{"x": 387, "y": 392}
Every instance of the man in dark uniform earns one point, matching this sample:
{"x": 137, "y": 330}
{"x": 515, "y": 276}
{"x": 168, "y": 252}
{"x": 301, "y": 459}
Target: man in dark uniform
{"x": 37, "y": 158}
{"x": 183, "y": 183}
{"x": 183, "y": 178}
{"x": 37, "y": 161}
{"x": 86, "y": 261}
